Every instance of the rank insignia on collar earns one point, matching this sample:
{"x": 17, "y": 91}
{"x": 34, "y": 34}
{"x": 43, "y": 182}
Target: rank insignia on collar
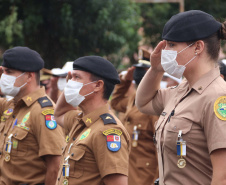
{"x": 113, "y": 139}
{"x": 88, "y": 120}
{"x": 8, "y": 112}
{"x": 50, "y": 122}
{"x": 220, "y": 108}
{"x": 29, "y": 98}
{"x": 108, "y": 119}
{"x": 85, "y": 134}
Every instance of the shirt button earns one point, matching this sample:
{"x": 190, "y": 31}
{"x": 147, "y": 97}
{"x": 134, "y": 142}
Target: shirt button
{"x": 200, "y": 88}
{"x": 147, "y": 164}
{"x": 58, "y": 179}
{"x": 15, "y": 135}
{"x": 0, "y": 153}
{"x": 175, "y": 127}
{"x": 13, "y": 116}
{"x": 128, "y": 122}
{"x": 5, "y": 134}
{"x": 72, "y": 154}
{"x": 73, "y": 138}
{"x": 62, "y": 148}
{"x": 139, "y": 125}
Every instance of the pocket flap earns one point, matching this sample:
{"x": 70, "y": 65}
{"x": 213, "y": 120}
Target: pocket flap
{"x": 177, "y": 124}
{"x": 77, "y": 153}
{"x": 19, "y": 133}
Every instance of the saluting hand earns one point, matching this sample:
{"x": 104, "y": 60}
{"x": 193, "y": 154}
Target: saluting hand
{"x": 129, "y": 75}
{"x": 156, "y": 56}
{"x": 69, "y": 76}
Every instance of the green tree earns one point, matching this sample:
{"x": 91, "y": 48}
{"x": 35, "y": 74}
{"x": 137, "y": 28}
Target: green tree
{"x": 67, "y": 29}
{"x": 155, "y": 15}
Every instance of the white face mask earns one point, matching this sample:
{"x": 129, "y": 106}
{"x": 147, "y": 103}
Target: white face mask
{"x": 61, "y": 83}
{"x": 163, "y": 84}
{"x": 170, "y": 65}
{"x": 7, "y": 85}
{"x": 71, "y": 92}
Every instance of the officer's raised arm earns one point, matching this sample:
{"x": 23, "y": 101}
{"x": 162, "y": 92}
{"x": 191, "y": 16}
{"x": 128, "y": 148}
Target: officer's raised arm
{"x": 150, "y": 83}
{"x": 62, "y": 107}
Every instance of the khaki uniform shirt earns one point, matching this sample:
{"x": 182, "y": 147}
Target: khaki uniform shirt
{"x": 143, "y": 158}
{"x": 199, "y": 112}
{"x": 27, "y": 121}
{"x": 89, "y": 148}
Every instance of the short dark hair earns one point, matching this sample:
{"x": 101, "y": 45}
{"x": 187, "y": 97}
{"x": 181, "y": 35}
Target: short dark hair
{"x": 108, "y": 86}
{"x": 212, "y": 46}
{"x": 37, "y": 77}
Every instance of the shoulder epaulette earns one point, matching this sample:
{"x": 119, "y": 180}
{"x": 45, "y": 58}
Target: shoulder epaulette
{"x": 45, "y": 102}
{"x": 108, "y": 119}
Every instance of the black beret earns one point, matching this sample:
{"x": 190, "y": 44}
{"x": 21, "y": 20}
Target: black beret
{"x": 97, "y": 66}
{"x": 22, "y": 59}
{"x": 190, "y": 26}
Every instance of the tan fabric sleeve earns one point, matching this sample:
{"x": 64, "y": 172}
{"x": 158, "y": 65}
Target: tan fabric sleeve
{"x": 110, "y": 162}
{"x": 214, "y": 128}
{"x": 50, "y": 142}
{"x": 119, "y": 99}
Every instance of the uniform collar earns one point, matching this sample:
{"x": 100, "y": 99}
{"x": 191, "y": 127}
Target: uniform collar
{"x": 206, "y": 80}
{"x": 95, "y": 115}
{"x": 32, "y": 97}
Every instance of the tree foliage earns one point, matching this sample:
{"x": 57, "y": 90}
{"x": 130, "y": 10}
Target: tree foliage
{"x": 156, "y": 15}
{"x": 62, "y": 30}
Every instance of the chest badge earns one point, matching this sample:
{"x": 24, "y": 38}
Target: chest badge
{"x": 24, "y": 120}
{"x": 8, "y": 112}
{"x": 85, "y": 134}
{"x": 220, "y": 108}
{"x": 113, "y": 139}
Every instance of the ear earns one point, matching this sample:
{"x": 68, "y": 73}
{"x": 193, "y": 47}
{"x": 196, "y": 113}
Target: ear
{"x": 199, "y": 47}
{"x": 31, "y": 75}
{"x": 99, "y": 85}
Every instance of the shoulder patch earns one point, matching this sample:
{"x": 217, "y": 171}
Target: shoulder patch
{"x": 220, "y": 108}
{"x": 108, "y": 119}
{"x": 50, "y": 122}
{"x": 45, "y": 102}
{"x": 113, "y": 139}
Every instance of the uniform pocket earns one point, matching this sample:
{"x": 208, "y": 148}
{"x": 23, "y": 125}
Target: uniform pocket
{"x": 171, "y": 133}
{"x": 76, "y": 168}
{"x": 19, "y": 145}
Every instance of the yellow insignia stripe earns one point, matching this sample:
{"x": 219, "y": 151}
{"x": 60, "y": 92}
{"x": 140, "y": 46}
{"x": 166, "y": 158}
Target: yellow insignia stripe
{"x": 108, "y": 117}
{"x": 88, "y": 120}
{"x": 112, "y": 131}
{"x": 220, "y": 108}
{"x": 48, "y": 111}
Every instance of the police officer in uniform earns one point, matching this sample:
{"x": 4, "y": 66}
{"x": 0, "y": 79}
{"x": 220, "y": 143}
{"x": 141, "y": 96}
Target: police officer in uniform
{"x": 143, "y": 159}
{"x": 191, "y": 130}
{"x": 97, "y": 149}
{"x": 30, "y": 140}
